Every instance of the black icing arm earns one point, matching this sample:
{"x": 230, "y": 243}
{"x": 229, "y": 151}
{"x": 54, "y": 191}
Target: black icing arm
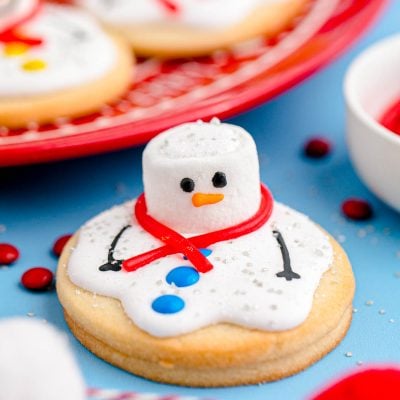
{"x": 287, "y": 272}
{"x": 112, "y": 264}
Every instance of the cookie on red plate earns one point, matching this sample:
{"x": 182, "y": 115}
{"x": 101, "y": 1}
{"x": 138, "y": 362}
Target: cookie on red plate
{"x": 56, "y": 61}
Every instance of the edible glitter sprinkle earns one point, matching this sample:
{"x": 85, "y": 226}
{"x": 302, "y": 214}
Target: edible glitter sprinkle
{"x": 382, "y": 311}
{"x": 361, "y": 233}
{"x": 348, "y": 354}
{"x": 391, "y": 320}
{"x": 30, "y": 314}
{"x": 369, "y": 302}
{"x": 355, "y": 310}
{"x": 359, "y": 363}
{"x": 387, "y": 231}
{"x": 341, "y": 238}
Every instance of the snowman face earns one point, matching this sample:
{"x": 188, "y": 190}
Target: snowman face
{"x": 199, "y": 199}
{"x": 201, "y": 177}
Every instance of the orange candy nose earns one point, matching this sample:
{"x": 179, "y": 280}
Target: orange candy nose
{"x": 203, "y": 199}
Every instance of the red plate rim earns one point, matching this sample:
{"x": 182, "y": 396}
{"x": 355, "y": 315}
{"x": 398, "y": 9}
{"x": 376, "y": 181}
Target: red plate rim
{"x": 353, "y": 22}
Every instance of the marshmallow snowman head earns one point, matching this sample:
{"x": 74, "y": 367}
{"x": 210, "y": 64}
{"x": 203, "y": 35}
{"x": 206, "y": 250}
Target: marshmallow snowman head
{"x": 200, "y": 177}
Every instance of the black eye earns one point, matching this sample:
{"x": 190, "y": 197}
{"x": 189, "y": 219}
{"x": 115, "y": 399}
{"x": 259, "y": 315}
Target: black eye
{"x": 187, "y": 185}
{"x": 219, "y": 180}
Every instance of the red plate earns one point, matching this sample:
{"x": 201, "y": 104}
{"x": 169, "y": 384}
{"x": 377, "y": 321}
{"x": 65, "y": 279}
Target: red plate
{"x": 168, "y": 93}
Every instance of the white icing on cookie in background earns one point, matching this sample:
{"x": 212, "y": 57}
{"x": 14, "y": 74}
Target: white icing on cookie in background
{"x": 242, "y": 288}
{"x": 74, "y": 51}
{"x": 214, "y": 14}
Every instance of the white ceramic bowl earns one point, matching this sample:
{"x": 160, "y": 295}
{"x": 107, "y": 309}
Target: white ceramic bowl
{"x": 372, "y": 85}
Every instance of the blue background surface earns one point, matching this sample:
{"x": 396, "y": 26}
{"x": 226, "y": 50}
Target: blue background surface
{"x": 40, "y": 203}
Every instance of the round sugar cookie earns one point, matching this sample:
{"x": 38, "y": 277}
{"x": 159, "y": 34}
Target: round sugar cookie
{"x": 177, "y": 28}
{"x": 205, "y": 279}
{"x": 60, "y": 64}
{"x": 218, "y": 355}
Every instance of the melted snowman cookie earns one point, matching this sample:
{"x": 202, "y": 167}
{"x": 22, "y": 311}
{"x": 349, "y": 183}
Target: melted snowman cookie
{"x": 201, "y": 14}
{"x": 193, "y": 27}
{"x": 63, "y": 52}
{"x": 205, "y": 269}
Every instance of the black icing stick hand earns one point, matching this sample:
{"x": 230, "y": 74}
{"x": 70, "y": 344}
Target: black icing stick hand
{"x": 288, "y": 275}
{"x": 115, "y": 265}
{"x": 112, "y": 264}
{"x": 287, "y": 272}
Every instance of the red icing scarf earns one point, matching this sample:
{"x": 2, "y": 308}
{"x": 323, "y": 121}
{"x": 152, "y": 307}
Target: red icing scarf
{"x": 176, "y": 243}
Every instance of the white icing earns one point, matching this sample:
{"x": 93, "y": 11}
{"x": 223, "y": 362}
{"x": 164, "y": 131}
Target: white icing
{"x": 242, "y": 288}
{"x": 195, "y": 13}
{"x": 75, "y": 50}
{"x": 13, "y": 11}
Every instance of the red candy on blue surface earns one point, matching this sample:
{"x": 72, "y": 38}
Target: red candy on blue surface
{"x": 317, "y": 147}
{"x": 60, "y": 243}
{"x": 8, "y": 254}
{"x": 357, "y": 209}
{"x": 37, "y": 278}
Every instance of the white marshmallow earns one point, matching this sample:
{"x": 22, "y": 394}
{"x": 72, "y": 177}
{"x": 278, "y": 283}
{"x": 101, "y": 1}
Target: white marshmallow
{"x": 36, "y": 363}
{"x": 197, "y": 151}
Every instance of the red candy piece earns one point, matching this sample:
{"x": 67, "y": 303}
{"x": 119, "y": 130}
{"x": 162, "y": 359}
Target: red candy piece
{"x": 37, "y": 278}
{"x": 317, "y": 147}
{"x": 60, "y": 243}
{"x": 371, "y": 384}
{"x": 8, "y": 254}
{"x": 357, "y": 209}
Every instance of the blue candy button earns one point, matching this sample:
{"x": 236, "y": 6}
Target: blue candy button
{"x": 183, "y": 276}
{"x": 205, "y": 252}
{"x": 168, "y": 304}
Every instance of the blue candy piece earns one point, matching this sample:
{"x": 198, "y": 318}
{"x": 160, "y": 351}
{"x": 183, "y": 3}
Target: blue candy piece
{"x": 168, "y": 304}
{"x": 205, "y": 252}
{"x": 183, "y": 276}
